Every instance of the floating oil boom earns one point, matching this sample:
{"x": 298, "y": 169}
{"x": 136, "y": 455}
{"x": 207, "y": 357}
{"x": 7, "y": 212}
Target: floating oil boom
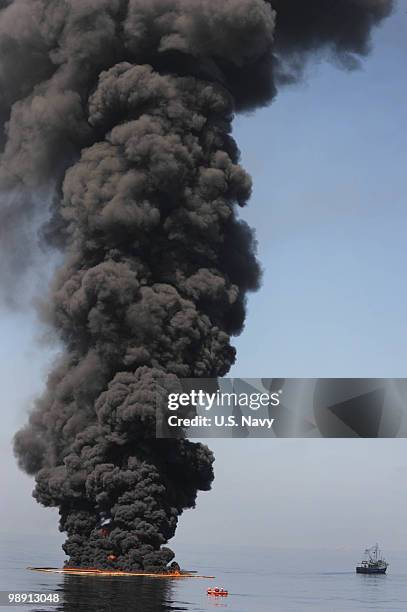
{"x": 373, "y": 563}
{"x": 79, "y": 571}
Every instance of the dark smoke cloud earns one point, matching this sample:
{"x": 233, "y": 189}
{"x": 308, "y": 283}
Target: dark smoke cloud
{"x": 339, "y": 30}
{"x": 121, "y": 110}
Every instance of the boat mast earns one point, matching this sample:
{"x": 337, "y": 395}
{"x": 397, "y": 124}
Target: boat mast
{"x": 373, "y": 553}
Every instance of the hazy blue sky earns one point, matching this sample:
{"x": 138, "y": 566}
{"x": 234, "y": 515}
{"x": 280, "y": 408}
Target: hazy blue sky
{"x": 329, "y": 161}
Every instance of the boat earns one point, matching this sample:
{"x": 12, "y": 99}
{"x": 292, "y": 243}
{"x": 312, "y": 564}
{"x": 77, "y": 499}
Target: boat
{"x": 217, "y": 592}
{"x": 373, "y": 563}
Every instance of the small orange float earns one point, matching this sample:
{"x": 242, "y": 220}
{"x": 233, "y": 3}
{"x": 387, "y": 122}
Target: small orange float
{"x": 216, "y": 592}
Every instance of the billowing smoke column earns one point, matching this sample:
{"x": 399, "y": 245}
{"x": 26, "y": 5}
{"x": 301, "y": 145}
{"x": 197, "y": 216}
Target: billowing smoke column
{"x": 119, "y": 112}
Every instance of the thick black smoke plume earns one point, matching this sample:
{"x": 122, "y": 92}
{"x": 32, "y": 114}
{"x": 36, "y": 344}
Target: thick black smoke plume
{"x": 119, "y": 112}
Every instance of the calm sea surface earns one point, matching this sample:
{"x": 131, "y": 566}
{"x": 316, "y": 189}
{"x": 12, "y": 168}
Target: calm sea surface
{"x": 257, "y": 580}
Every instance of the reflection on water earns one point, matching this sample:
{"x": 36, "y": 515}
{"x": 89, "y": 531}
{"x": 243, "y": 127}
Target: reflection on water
{"x": 213, "y": 603}
{"x": 91, "y": 593}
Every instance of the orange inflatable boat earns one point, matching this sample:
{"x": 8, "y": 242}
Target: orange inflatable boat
{"x": 216, "y": 592}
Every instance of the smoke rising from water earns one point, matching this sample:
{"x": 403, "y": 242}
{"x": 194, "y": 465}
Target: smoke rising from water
{"x": 123, "y": 109}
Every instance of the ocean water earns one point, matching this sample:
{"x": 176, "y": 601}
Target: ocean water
{"x": 258, "y": 580}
